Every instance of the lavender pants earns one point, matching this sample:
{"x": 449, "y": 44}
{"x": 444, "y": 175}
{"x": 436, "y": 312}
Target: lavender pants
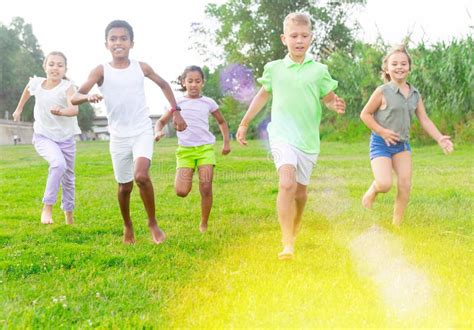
{"x": 60, "y": 157}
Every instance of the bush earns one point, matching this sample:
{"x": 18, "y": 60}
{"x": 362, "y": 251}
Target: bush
{"x": 443, "y": 73}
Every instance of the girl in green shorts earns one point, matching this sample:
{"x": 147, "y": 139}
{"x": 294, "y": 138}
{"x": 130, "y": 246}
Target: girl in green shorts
{"x": 196, "y": 142}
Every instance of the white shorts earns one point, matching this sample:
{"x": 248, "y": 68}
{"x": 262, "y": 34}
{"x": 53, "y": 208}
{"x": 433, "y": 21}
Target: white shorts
{"x": 286, "y": 154}
{"x": 125, "y": 150}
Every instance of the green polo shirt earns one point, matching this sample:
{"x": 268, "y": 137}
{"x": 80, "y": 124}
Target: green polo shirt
{"x": 400, "y": 110}
{"x": 296, "y": 109}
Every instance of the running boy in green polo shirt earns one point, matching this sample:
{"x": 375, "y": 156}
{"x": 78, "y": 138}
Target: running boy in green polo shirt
{"x": 297, "y": 83}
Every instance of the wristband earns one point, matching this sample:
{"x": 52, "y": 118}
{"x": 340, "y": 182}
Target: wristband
{"x": 177, "y": 108}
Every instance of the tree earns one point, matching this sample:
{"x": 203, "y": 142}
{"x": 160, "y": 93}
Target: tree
{"x": 212, "y": 87}
{"x": 249, "y": 30}
{"x": 86, "y": 117}
{"x": 21, "y": 59}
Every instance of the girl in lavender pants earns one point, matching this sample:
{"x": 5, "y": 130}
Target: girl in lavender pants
{"x": 54, "y": 129}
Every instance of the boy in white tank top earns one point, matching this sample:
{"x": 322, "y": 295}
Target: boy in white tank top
{"x": 121, "y": 83}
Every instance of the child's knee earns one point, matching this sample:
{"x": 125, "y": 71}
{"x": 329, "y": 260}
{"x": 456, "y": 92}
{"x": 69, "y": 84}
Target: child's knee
{"x": 404, "y": 185}
{"x": 301, "y": 195}
{"x": 142, "y": 179}
{"x": 383, "y": 186}
{"x": 287, "y": 185}
{"x": 58, "y": 165}
{"x": 125, "y": 188}
{"x": 182, "y": 192}
{"x": 205, "y": 188}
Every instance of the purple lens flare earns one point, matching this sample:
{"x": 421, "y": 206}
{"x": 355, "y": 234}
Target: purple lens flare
{"x": 237, "y": 81}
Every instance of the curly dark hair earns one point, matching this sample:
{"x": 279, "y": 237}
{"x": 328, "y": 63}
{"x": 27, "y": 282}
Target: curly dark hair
{"x": 182, "y": 76}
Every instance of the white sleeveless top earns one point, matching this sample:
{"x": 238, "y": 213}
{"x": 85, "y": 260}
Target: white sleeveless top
{"x": 56, "y": 128}
{"x": 125, "y": 101}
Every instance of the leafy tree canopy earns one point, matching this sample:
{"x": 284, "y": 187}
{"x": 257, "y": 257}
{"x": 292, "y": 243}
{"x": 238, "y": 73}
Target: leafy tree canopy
{"x": 249, "y": 30}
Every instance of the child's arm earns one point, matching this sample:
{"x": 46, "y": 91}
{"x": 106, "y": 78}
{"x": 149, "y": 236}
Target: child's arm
{"x": 81, "y": 96}
{"x": 257, "y": 104}
{"x": 160, "y": 124}
{"x": 71, "y": 110}
{"x": 367, "y": 116}
{"x": 444, "y": 141}
{"x": 335, "y": 103}
{"x": 224, "y": 130}
{"x": 167, "y": 91}
{"x": 19, "y": 108}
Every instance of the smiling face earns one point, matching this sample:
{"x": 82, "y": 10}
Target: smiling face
{"x": 193, "y": 82}
{"x": 297, "y": 38}
{"x": 398, "y": 66}
{"x": 119, "y": 43}
{"x": 55, "y": 67}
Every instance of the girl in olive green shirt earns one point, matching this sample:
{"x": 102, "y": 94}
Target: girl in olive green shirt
{"x": 388, "y": 113}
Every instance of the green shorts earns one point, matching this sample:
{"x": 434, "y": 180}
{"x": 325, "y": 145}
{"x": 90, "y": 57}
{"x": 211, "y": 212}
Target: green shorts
{"x": 192, "y": 157}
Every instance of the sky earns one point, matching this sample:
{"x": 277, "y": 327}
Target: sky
{"x": 162, "y": 34}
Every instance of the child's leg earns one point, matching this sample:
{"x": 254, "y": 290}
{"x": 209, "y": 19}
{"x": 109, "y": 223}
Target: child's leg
{"x": 47, "y": 214}
{"x": 68, "y": 149}
{"x": 50, "y": 151}
{"x": 286, "y": 205}
{"x": 301, "y": 196}
{"x": 123, "y": 195}
{"x": 402, "y": 166}
{"x": 142, "y": 178}
{"x": 205, "y": 188}
{"x": 382, "y": 170}
{"x": 183, "y": 181}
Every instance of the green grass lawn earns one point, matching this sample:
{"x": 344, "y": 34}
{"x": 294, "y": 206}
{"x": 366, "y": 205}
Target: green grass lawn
{"x": 352, "y": 268}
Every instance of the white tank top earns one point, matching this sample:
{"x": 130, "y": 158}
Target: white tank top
{"x": 125, "y": 101}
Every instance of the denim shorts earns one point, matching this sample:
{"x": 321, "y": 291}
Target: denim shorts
{"x": 378, "y": 147}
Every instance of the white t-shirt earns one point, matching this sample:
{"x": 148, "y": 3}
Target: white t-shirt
{"x": 196, "y": 114}
{"x": 124, "y": 97}
{"x": 56, "y": 128}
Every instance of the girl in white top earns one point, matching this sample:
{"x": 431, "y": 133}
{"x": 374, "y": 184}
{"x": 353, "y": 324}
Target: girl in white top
{"x": 54, "y": 129}
{"x": 196, "y": 142}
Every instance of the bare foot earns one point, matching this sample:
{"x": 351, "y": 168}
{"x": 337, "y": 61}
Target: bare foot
{"x": 47, "y": 214}
{"x": 69, "y": 217}
{"x": 128, "y": 236}
{"x": 203, "y": 227}
{"x": 369, "y": 197}
{"x": 157, "y": 234}
{"x": 288, "y": 253}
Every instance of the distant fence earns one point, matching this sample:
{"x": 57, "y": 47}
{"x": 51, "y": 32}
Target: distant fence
{"x": 12, "y": 132}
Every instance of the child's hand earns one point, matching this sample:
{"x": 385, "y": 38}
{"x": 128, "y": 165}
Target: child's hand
{"x": 94, "y": 98}
{"x": 16, "y": 115}
{"x": 159, "y": 135}
{"x": 446, "y": 144}
{"x": 241, "y": 133}
{"x": 56, "y": 110}
{"x": 179, "y": 122}
{"x": 226, "y": 149}
{"x": 339, "y": 105}
{"x": 390, "y": 137}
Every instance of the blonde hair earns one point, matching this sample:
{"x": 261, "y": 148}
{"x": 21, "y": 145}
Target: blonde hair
{"x": 56, "y": 53}
{"x": 395, "y": 49}
{"x": 297, "y": 18}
